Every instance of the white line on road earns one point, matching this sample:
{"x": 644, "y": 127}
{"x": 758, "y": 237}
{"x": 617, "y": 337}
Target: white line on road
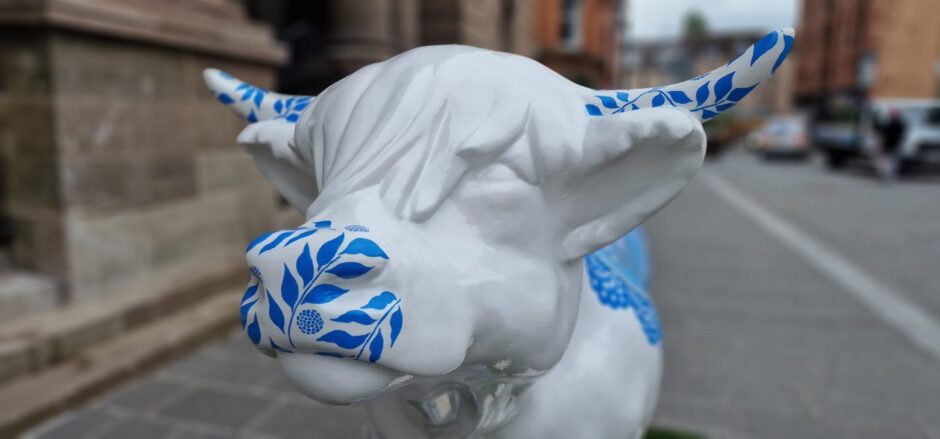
{"x": 886, "y": 302}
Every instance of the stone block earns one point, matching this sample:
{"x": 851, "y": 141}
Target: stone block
{"x": 24, "y": 63}
{"x": 210, "y": 126}
{"x": 156, "y": 126}
{"x": 27, "y": 146}
{"x": 110, "y": 181}
{"x": 15, "y": 358}
{"x": 39, "y": 243}
{"x": 105, "y": 251}
{"x": 204, "y": 223}
{"x": 226, "y": 169}
{"x": 105, "y": 181}
{"x": 96, "y": 126}
{"x": 113, "y": 69}
{"x": 22, "y": 293}
{"x": 170, "y": 177}
{"x": 257, "y": 212}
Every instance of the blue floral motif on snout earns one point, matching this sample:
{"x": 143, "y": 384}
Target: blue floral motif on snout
{"x": 618, "y": 275}
{"x": 361, "y": 333}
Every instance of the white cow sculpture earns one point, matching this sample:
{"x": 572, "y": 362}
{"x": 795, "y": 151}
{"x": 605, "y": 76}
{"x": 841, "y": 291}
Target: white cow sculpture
{"x": 464, "y": 268}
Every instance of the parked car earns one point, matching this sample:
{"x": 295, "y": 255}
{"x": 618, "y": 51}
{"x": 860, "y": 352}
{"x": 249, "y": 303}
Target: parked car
{"x": 843, "y": 143}
{"x": 725, "y": 131}
{"x": 782, "y": 136}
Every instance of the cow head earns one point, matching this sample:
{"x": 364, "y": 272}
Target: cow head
{"x": 450, "y": 195}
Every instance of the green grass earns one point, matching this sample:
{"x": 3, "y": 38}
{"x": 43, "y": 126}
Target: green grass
{"x": 668, "y": 433}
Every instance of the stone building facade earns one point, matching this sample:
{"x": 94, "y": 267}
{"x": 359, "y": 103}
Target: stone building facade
{"x": 330, "y": 39}
{"x": 902, "y": 37}
{"x": 120, "y": 174}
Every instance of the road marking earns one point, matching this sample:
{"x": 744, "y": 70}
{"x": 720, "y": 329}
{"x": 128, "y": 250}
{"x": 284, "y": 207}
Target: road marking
{"x": 885, "y": 301}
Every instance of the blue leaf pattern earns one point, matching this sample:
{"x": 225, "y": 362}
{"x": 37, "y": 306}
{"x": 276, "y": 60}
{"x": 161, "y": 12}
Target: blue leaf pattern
{"x": 328, "y": 251}
{"x": 355, "y": 316}
{"x": 364, "y": 246}
{"x": 723, "y": 86}
{"x": 739, "y": 93}
{"x": 324, "y": 293}
{"x": 344, "y": 339}
{"x": 300, "y": 236}
{"x": 254, "y": 331}
{"x": 395, "y": 324}
{"x": 305, "y": 266}
{"x": 250, "y": 293}
{"x": 277, "y": 240}
{"x": 375, "y": 347}
{"x": 380, "y": 301}
{"x": 243, "y": 311}
{"x": 349, "y": 270}
{"x": 787, "y": 47}
{"x": 275, "y": 313}
{"x": 289, "y": 290}
{"x": 262, "y": 102}
{"x": 257, "y": 241}
{"x": 763, "y": 45}
{"x": 702, "y": 94}
{"x": 608, "y": 102}
{"x": 658, "y": 101}
{"x": 679, "y": 97}
{"x": 367, "y": 329}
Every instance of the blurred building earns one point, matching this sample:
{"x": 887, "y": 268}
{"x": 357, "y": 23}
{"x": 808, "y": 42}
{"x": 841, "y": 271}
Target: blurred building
{"x": 656, "y": 63}
{"x": 330, "y": 39}
{"x": 877, "y": 47}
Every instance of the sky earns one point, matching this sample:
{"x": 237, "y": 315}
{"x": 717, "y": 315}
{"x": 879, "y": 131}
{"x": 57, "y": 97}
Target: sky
{"x": 654, "y": 19}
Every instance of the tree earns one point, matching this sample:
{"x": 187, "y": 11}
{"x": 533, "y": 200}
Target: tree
{"x": 695, "y": 26}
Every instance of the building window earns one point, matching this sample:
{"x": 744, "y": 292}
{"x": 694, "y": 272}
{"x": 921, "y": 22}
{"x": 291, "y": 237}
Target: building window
{"x": 570, "y": 29}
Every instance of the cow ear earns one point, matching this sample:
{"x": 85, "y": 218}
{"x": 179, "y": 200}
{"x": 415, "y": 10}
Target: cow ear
{"x": 271, "y": 144}
{"x": 633, "y": 163}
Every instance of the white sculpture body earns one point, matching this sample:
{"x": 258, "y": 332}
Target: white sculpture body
{"x": 464, "y": 268}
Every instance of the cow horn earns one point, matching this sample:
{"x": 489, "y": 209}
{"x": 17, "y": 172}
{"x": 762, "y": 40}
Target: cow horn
{"x": 252, "y": 102}
{"x": 708, "y": 95}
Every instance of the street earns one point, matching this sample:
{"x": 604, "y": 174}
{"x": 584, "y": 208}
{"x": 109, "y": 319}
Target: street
{"x": 764, "y": 340}
{"x": 807, "y": 310}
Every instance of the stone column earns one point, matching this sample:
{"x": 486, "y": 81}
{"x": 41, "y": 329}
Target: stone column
{"x": 363, "y": 32}
{"x": 120, "y": 169}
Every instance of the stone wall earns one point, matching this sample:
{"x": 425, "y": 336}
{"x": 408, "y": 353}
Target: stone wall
{"x": 121, "y": 170}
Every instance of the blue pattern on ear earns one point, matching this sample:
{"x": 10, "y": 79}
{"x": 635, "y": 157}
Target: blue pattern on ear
{"x": 619, "y": 275}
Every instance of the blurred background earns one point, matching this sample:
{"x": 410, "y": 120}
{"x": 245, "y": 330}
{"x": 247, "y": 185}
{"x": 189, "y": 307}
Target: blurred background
{"x": 796, "y": 277}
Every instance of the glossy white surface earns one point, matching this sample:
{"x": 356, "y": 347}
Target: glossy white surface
{"x": 482, "y": 180}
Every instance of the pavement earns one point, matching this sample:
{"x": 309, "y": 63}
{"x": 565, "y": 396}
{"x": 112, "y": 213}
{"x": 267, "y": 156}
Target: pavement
{"x": 796, "y": 302}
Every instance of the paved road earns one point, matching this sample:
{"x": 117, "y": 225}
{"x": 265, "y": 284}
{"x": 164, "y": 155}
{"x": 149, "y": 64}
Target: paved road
{"x": 796, "y": 303}
{"x": 762, "y": 339}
